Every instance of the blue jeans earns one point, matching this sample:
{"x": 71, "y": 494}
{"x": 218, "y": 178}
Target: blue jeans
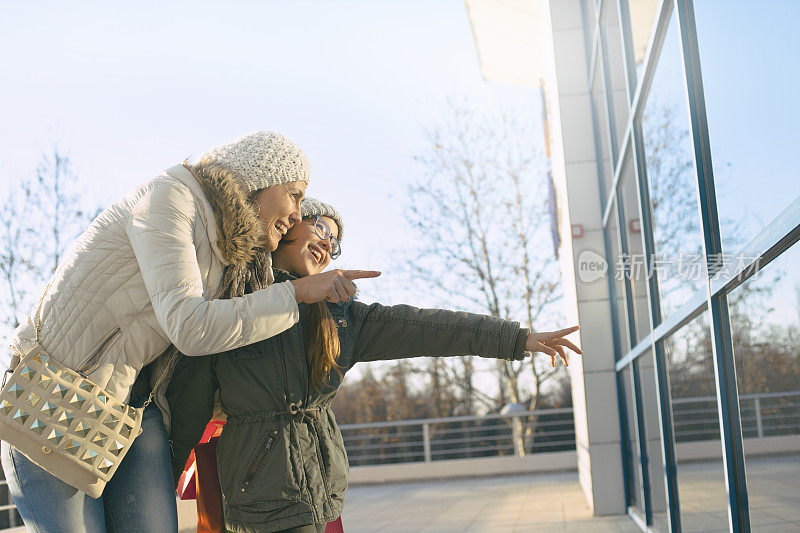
{"x": 139, "y": 498}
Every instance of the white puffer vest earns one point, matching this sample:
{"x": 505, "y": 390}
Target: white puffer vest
{"x": 143, "y": 276}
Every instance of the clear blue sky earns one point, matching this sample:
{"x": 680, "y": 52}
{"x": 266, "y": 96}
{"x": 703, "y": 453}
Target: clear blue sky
{"x": 136, "y": 88}
{"x": 753, "y": 110}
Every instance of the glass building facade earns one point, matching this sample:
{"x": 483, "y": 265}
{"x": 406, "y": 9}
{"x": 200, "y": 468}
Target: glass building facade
{"x": 695, "y": 135}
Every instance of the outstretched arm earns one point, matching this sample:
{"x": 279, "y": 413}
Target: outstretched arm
{"x": 399, "y": 331}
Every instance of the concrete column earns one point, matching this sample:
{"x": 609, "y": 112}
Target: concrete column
{"x": 587, "y": 301}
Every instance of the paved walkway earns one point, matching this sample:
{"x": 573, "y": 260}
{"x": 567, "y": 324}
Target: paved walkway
{"x": 538, "y": 502}
{"x": 555, "y": 502}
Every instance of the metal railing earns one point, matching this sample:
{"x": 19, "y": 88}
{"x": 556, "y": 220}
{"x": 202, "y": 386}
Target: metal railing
{"x": 548, "y": 430}
{"x": 541, "y": 431}
{"x": 459, "y": 437}
{"x": 8, "y": 511}
{"x": 767, "y": 414}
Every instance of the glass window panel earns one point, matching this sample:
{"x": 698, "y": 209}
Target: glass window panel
{"x": 602, "y": 142}
{"x": 650, "y": 409}
{"x": 677, "y": 230}
{"x": 643, "y": 22}
{"x": 753, "y": 110}
{"x": 615, "y": 72}
{"x": 635, "y": 481}
{"x": 765, "y": 324}
{"x": 617, "y": 276}
{"x": 651, "y": 433}
{"x": 637, "y": 273}
{"x": 701, "y": 480}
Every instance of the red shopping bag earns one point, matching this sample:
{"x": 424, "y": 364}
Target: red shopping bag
{"x": 186, "y": 484}
{"x": 186, "y": 488}
{"x": 335, "y": 526}
{"x": 209, "y": 496}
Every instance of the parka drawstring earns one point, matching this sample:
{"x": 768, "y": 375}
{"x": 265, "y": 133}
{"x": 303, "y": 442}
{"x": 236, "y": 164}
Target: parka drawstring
{"x": 294, "y": 410}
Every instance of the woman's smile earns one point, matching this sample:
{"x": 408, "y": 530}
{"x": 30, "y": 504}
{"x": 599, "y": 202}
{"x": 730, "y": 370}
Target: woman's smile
{"x": 282, "y": 227}
{"x": 318, "y": 254}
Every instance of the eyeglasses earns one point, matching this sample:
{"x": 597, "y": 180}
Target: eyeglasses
{"x": 323, "y": 231}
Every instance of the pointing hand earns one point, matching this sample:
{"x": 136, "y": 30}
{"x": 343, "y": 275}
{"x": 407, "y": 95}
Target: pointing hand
{"x": 552, "y": 343}
{"x": 333, "y": 286}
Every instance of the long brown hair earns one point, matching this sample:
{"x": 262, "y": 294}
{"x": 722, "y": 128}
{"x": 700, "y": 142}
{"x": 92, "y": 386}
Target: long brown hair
{"x": 322, "y": 344}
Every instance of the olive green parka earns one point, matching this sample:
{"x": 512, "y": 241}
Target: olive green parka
{"x": 281, "y": 458}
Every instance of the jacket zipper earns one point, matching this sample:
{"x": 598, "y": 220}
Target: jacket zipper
{"x": 250, "y": 475}
{"x": 92, "y": 362}
{"x": 336, "y": 442}
{"x": 160, "y": 395}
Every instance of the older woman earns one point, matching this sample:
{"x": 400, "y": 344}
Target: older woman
{"x": 144, "y": 276}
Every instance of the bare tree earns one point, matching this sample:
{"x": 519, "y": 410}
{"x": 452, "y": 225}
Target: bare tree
{"x": 677, "y": 230}
{"x": 17, "y": 246}
{"x": 480, "y": 210}
{"x": 40, "y": 218}
{"x": 672, "y": 192}
{"x": 59, "y": 205}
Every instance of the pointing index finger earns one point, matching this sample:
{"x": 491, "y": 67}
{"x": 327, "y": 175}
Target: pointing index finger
{"x": 565, "y": 331}
{"x": 358, "y": 274}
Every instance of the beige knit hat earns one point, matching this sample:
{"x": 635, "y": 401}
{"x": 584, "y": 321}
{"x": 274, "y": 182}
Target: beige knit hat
{"x": 261, "y": 159}
{"x": 310, "y": 207}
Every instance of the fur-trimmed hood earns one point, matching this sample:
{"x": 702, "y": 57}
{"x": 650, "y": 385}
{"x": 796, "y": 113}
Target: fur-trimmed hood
{"x": 240, "y": 233}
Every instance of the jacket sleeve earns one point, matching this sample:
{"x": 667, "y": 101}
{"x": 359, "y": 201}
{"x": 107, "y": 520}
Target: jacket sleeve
{"x": 399, "y": 331}
{"x": 161, "y": 234}
{"x": 190, "y": 396}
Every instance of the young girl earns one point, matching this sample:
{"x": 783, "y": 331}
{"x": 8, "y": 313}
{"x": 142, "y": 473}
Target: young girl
{"x": 281, "y": 458}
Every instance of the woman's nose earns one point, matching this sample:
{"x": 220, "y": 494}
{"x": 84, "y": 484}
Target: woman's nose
{"x": 296, "y": 217}
{"x": 326, "y": 244}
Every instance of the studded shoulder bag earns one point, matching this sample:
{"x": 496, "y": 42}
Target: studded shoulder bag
{"x": 64, "y": 422}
